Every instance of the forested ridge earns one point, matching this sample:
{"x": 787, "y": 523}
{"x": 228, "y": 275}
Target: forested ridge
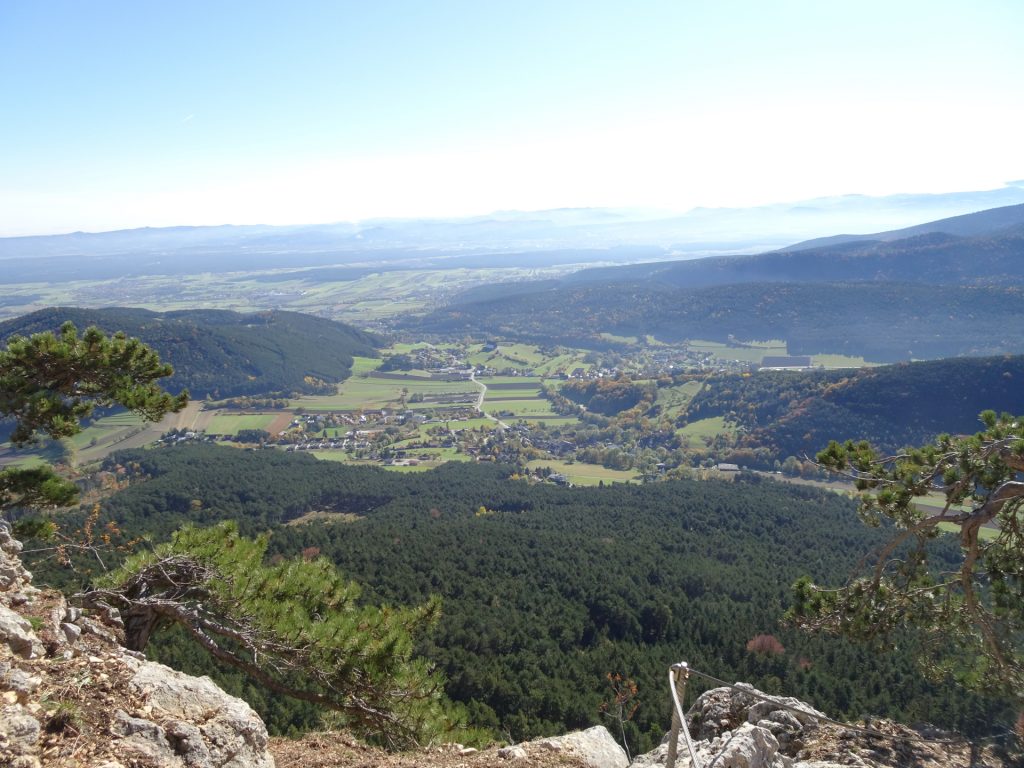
{"x": 796, "y": 413}
{"x": 928, "y": 293}
{"x": 934, "y": 257}
{"x": 218, "y": 353}
{"x": 881, "y": 321}
{"x": 546, "y": 590}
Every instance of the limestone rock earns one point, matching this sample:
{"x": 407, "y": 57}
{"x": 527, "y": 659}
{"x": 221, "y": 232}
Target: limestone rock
{"x": 19, "y": 733}
{"x": 71, "y": 632}
{"x": 13, "y": 575}
{"x": 142, "y": 740}
{"x": 208, "y": 726}
{"x": 17, "y": 681}
{"x": 741, "y": 727}
{"x": 17, "y": 633}
{"x": 749, "y": 746}
{"x": 596, "y": 746}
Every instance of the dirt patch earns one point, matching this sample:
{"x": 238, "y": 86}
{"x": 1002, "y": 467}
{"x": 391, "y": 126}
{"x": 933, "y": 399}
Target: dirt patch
{"x": 340, "y": 750}
{"x": 282, "y": 420}
{"x": 323, "y": 516}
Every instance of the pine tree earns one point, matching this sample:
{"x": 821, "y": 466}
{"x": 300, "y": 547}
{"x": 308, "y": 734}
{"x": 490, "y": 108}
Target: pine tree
{"x": 296, "y": 627}
{"x": 968, "y": 615}
{"x": 50, "y": 382}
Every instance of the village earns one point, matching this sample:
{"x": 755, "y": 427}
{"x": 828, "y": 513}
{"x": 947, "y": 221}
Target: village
{"x": 424, "y": 404}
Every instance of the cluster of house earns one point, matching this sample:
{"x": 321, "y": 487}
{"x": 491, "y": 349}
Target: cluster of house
{"x": 352, "y": 441}
{"x": 184, "y": 436}
{"x": 786, "y": 362}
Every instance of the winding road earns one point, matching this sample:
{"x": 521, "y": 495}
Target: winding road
{"x": 480, "y": 401}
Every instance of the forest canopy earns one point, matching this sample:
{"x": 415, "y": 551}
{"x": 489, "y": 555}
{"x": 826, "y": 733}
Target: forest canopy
{"x": 217, "y": 353}
{"x": 549, "y": 589}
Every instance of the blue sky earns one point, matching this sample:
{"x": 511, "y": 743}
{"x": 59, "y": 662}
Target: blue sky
{"x": 124, "y": 114}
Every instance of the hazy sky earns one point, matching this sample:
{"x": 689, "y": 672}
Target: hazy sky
{"x": 135, "y": 113}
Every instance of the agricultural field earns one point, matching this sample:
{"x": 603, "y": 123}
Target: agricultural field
{"x": 521, "y": 407}
{"x": 744, "y": 352}
{"x": 584, "y": 474}
{"x": 564, "y": 363}
{"x": 754, "y": 351}
{"x": 231, "y": 423}
{"x": 528, "y": 358}
{"x": 368, "y": 392}
{"x": 520, "y": 398}
{"x": 522, "y": 357}
{"x": 404, "y": 348}
{"x": 363, "y": 365}
{"x": 510, "y": 382}
{"x": 106, "y": 428}
{"x": 361, "y": 302}
{"x": 112, "y": 433}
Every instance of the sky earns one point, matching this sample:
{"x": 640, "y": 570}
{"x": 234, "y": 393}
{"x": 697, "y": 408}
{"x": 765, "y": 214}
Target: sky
{"x": 136, "y": 113}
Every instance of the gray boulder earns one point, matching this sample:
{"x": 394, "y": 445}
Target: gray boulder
{"x": 17, "y": 633}
{"x": 741, "y": 727}
{"x": 19, "y": 735}
{"x": 595, "y": 746}
{"x": 749, "y": 746}
{"x": 204, "y": 726}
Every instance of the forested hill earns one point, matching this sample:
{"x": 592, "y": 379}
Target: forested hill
{"x": 928, "y": 295}
{"x": 217, "y": 353}
{"x": 992, "y": 256}
{"x": 884, "y": 322}
{"x": 793, "y": 413}
{"x": 968, "y": 225}
{"x": 546, "y": 590}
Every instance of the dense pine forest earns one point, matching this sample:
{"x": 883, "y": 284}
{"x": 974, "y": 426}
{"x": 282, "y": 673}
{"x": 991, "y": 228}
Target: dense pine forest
{"x": 548, "y": 590}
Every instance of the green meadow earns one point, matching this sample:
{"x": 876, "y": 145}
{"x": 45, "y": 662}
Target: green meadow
{"x": 673, "y": 400}
{"x": 228, "y": 423}
{"x": 707, "y": 429}
{"x": 745, "y": 352}
{"x": 585, "y": 474}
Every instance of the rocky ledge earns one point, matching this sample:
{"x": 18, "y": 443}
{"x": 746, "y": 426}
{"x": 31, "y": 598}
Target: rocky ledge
{"x": 71, "y": 695}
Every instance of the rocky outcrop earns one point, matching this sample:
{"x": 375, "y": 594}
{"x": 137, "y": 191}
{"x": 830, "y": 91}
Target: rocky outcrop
{"x": 70, "y": 694}
{"x": 741, "y": 727}
{"x": 596, "y": 747}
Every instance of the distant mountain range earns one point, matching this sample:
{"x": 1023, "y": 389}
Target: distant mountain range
{"x": 533, "y": 238}
{"x": 927, "y": 295}
{"x": 216, "y": 353}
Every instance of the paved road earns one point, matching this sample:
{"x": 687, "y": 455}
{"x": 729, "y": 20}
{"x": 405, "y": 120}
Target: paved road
{"x": 480, "y": 401}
